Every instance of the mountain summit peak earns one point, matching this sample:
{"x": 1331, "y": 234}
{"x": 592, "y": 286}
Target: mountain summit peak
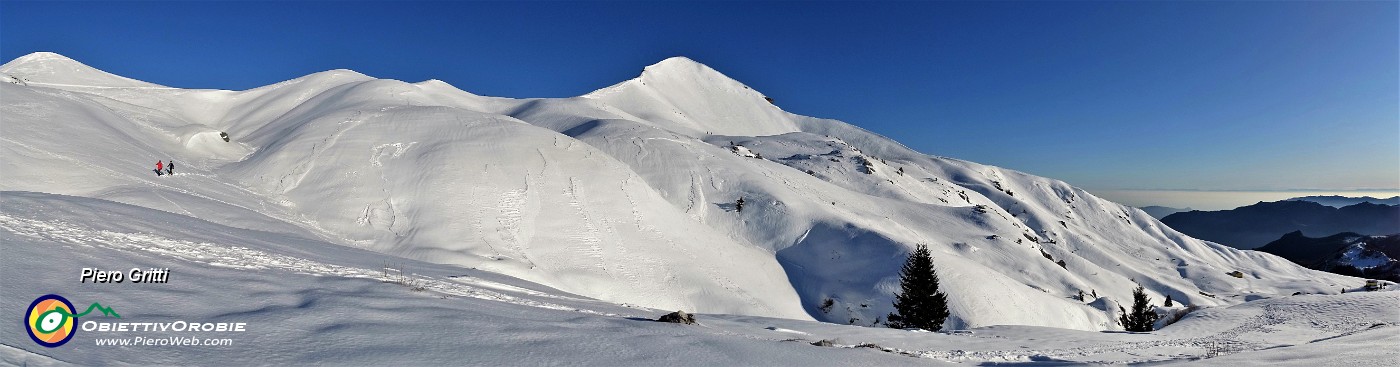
{"x": 42, "y": 56}
{"x": 52, "y": 68}
{"x": 676, "y": 63}
{"x": 685, "y": 70}
{"x": 689, "y": 96}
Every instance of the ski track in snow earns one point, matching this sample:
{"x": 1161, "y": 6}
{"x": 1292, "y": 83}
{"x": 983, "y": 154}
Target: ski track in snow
{"x": 245, "y": 258}
{"x": 510, "y": 218}
{"x": 588, "y": 236}
{"x": 302, "y": 169}
{"x": 478, "y": 223}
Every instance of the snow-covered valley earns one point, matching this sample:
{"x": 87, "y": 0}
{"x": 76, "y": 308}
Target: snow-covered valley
{"x": 535, "y": 231}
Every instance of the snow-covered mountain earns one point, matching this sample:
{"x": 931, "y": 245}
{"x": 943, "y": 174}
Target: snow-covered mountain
{"x": 625, "y": 194}
{"x": 1343, "y": 253}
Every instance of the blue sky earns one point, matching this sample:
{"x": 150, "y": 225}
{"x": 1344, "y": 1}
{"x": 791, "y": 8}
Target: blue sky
{"x": 1105, "y": 95}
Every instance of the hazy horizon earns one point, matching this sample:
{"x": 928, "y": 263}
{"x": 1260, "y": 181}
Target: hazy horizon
{"x": 1222, "y": 199}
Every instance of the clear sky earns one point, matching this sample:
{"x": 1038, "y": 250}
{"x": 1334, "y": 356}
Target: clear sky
{"x": 1105, "y": 95}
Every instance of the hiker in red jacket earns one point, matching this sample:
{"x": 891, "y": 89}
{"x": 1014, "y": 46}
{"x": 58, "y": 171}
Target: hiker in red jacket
{"x": 159, "y": 166}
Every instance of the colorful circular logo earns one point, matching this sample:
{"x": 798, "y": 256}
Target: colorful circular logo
{"x": 50, "y": 320}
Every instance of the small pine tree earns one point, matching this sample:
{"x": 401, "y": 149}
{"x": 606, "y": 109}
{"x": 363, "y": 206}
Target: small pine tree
{"x": 919, "y": 303}
{"x": 739, "y": 205}
{"x": 1168, "y": 302}
{"x": 1142, "y": 317}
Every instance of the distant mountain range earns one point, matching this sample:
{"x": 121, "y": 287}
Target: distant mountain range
{"x": 1252, "y": 226}
{"x": 1334, "y": 201}
{"x": 1341, "y": 201}
{"x": 1160, "y": 212}
{"x": 1344, "y": 253}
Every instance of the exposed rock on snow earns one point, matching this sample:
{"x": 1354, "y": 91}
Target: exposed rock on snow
{"x": 14, "y": 80}
{"x": 678, "y": 317}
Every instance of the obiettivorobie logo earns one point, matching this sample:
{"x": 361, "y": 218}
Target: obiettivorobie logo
{"x": 51, "y": 322}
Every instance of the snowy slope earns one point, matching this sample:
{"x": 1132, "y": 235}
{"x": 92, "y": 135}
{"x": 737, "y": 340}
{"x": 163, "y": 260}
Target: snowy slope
{"x": 47, "y": 68}
{"x": 312, "y": 302}
{"x": 411, "y": 192}
{"x": 625, "y": 194}
{"x": 844, "y": 221}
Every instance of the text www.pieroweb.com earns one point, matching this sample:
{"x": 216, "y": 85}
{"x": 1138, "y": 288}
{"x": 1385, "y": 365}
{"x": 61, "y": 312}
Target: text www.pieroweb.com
{"x": 163, "y": 327}
{"x": 163, "y": 341}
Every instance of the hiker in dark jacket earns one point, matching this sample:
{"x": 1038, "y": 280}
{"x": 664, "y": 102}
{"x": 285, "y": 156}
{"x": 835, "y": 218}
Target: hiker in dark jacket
{"x": 170, "y": 168}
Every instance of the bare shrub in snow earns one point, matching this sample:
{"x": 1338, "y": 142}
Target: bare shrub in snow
{"x": 1173, "y": 315}
{"x": 870, "y": 345}
{"x": 397, "y": 275}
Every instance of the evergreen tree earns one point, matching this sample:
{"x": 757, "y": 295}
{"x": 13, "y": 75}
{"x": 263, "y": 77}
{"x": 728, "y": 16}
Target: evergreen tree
{"x": 919, "y": 303}
{"x": 1142, "y": 317}
{"x": 1168, "y": 302}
